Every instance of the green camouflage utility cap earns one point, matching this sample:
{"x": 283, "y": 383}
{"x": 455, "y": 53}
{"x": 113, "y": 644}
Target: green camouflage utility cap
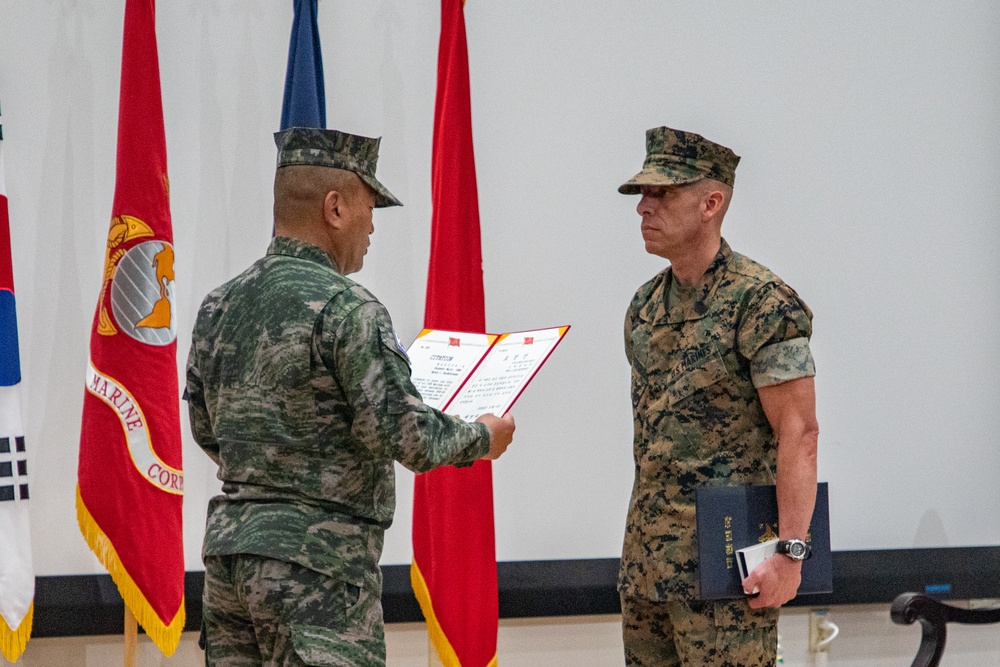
{"x": 675, "y": 157}
{"x": 339, "y": 150}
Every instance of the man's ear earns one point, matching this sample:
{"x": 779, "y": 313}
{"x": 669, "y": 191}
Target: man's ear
{"x": 333, "y": 204}
{"x": 712, "y": 203}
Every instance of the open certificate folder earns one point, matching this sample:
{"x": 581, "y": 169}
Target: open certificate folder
{"x": 470, "y": 374}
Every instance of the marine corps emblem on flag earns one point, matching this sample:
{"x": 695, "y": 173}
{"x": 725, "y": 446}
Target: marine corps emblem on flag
{"x": 142, "y": 293}
{"x": 141, "y": 280}
{"x": 141, "y": 284}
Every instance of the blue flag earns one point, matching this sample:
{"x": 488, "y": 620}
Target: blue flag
{"x": 304, "y": 104}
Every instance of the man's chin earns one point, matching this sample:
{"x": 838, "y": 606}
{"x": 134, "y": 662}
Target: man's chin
{"x": 657, "y": 249}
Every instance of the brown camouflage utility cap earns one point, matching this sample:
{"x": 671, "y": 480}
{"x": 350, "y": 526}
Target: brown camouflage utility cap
{"x": 674, "y": 157}
{"x": 339, "y": 150}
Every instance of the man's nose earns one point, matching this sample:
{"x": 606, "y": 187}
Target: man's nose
{"x": 642, "y": 208}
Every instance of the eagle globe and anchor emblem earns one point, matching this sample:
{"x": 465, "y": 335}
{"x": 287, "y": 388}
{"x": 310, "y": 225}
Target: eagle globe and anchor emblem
{"x": 141, "y": 284}
{"x": 141, "y": 280}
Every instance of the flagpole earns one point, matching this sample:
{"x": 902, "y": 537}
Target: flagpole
{"x": 131, "y": 637}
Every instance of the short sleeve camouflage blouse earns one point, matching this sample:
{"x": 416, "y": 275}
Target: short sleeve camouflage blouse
{"x": 698, "y": 355}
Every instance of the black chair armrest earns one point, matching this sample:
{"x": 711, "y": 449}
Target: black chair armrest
{"x": 934, "y": 617}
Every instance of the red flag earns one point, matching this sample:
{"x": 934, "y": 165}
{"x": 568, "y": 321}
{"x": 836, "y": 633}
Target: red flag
{"x": 130, "y": 481}
{"x": 454, "y": 571}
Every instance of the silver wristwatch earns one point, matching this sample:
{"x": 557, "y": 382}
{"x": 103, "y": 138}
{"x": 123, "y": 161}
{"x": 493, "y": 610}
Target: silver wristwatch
{"x": 794, "y": 549}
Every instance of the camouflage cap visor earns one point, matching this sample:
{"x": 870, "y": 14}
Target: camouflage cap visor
{"x": 383, "y": 197}
{"x": 662, "y": 170}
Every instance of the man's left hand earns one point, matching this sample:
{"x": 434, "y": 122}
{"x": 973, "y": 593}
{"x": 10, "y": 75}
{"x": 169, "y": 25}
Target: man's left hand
{"x": 777, "y": 579}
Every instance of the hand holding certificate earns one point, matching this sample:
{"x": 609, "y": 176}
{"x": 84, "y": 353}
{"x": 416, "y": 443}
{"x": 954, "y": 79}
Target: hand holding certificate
{"x": 469, "y": 374}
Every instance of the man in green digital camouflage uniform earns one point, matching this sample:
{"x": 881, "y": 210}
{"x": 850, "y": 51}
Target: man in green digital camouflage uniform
{"x": 722, "y": 393}
{"x": 300, "y": 391}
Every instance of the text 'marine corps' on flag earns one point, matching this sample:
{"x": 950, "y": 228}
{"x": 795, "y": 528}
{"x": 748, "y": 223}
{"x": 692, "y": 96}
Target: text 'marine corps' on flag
{"x": 130, "y": 482}
{"x": 17, "y": 578}
{"x": 454, "y": 572}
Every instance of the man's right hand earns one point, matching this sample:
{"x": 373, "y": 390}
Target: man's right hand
{"x": 501, "y": 433}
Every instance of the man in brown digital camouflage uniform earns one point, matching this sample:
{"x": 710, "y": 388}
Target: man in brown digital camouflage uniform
{"x": 300, "y": 391}
{"x": 722, "y": 393}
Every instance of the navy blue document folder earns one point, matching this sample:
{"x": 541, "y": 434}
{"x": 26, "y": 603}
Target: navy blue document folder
{"x": 733, "y": 517}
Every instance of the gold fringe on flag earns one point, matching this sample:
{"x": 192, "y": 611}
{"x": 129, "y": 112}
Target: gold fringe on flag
{"x": 444, "y": 649}
{"x": 12, "y": 642}
{"x": 166, "y": 637}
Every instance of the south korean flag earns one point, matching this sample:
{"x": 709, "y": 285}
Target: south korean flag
{"x": 17, "y": 578}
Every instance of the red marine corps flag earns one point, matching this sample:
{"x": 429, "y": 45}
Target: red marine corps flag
{"x": 454, "y": 570}
{"x": 130, "y": 480}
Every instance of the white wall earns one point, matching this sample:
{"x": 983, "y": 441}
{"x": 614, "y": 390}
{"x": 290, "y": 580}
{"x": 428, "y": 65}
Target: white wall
{"x": 870, "y": 156}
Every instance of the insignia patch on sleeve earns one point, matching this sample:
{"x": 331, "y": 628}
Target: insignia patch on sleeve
{"x": 399, "y": 346}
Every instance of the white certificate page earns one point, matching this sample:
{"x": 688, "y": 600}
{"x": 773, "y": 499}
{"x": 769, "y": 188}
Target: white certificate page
{"x": 504, "y": 373}
{"x": 440, "y": 361}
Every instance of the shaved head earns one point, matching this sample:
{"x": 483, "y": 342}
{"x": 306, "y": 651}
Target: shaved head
{"x": 707, "y": 185}
{"x": 299, "y": 191}
{"x": 328, "y": 208}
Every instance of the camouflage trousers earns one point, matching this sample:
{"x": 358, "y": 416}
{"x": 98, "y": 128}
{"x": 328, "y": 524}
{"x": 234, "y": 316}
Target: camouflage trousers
{"x": 678, "y": 633}
{"x": 261, "y": 612}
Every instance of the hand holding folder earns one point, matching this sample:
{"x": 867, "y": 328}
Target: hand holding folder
{"x": 749, "y": 558}
{"x": 770, "y": 579}
{"x": 730, "y": 518}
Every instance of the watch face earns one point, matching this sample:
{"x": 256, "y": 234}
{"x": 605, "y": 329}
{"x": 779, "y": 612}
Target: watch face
{"x": 797, "y": 550}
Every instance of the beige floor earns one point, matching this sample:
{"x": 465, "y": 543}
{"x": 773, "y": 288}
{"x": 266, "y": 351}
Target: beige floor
{"x": 867, "y": 639}
{"x": 592, "y": 641}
